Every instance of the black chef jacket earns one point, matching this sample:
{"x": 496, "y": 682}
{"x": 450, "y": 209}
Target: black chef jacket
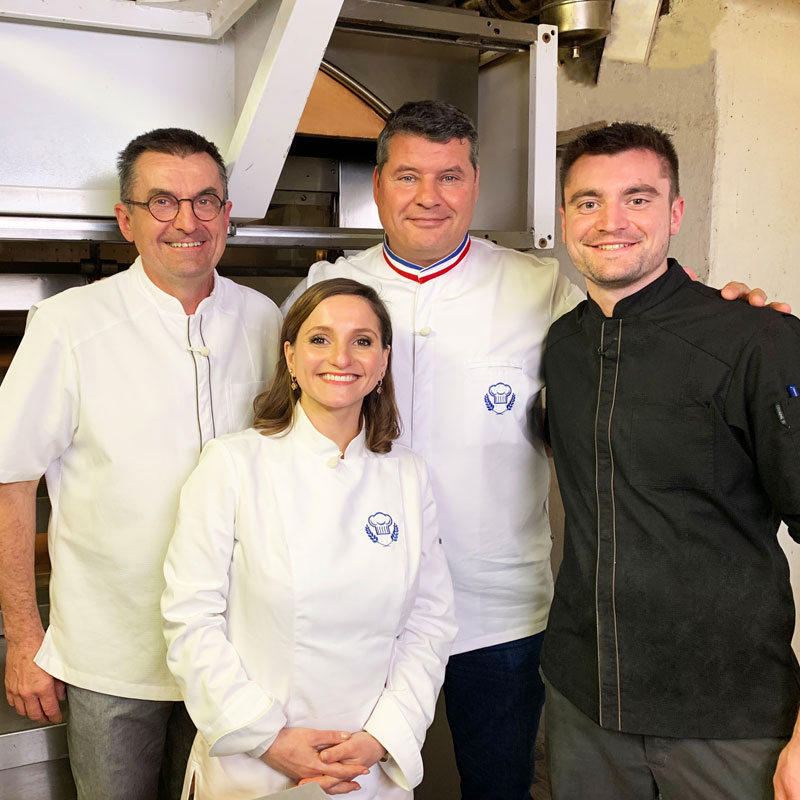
{"x": 677, "y": 448}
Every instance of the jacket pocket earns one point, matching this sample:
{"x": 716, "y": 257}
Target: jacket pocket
{"x": 672, "y": 447}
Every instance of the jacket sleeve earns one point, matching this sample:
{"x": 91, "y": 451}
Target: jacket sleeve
{"x": 760, "y": 400}
{"x": 233, "y": 713}
{"x": 39, "y": 401}
{"x": 566, "y": 295}
{"x": 405, "y": 708}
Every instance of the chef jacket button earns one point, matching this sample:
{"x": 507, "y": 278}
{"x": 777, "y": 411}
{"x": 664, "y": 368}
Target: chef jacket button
{"x": 426, "y": 331}
{"x": 333, "y": 461}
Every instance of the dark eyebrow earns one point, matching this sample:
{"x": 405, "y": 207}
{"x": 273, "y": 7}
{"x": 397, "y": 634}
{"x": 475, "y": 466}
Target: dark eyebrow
{"x": 328, "y": 329}
{"x": 207, "y": 190}
{"x": 583, "y": 193}
{"x": 407, "y": 168}
{"x": 644, "y": 188}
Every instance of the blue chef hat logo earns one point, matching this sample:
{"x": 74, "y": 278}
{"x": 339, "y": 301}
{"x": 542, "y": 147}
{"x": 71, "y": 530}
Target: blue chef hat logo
{"x": 382, "y": 529}
{"x": 500, "y": 398}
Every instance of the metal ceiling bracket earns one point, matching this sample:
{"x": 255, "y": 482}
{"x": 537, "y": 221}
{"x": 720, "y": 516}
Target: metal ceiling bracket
{"x": 542, "y": 123}
{"x": 417, "y": 20}
{"x": 276, "y": 100}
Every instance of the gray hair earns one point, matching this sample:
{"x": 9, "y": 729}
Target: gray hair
{"x": 433, "y": 120}
{"x": 173, "y": 142}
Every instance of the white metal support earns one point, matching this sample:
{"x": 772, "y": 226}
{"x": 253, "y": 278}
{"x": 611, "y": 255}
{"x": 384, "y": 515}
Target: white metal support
{"x": 276, "y": 100}
{"x": 542, "y": 124}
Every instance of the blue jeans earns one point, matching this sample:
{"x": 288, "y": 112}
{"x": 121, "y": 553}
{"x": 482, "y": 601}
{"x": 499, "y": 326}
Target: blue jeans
{"x": 494, "y": 699}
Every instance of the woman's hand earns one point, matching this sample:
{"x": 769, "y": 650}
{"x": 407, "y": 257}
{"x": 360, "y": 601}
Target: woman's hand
{"x": 361, "y": 748}
{"x": 296, "y": 754}
{"x": 332, "y": 785}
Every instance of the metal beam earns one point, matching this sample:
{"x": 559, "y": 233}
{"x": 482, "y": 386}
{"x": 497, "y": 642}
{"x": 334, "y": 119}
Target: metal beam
{"x": 455, "y": 26}
{"x": 542, "y": 111}
{"x": 276, "y": 100}
{"x": 101, "y": 230}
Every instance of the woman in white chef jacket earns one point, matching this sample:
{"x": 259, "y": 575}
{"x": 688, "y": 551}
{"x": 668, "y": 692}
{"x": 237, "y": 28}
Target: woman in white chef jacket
{"x": 308, "y": 610}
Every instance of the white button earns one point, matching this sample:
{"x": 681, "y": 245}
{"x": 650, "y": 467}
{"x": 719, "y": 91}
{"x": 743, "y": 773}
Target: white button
{"x": 426, "y": 331}
{"x": 333, "y": 461}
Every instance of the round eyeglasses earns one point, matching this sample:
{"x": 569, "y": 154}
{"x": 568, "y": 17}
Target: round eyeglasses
{"x": 165, "y": 207}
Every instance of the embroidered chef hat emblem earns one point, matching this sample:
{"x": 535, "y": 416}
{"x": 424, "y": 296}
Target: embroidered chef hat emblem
{"x": 499, "y": 398}
{"x": 381, "y": 529}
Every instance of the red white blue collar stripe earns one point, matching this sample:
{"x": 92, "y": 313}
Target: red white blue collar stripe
{"x": 423, "y": 274}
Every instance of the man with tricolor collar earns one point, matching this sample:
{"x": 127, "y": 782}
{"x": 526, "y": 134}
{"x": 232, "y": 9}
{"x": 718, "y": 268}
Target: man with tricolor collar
{"x": 469, "y": 321}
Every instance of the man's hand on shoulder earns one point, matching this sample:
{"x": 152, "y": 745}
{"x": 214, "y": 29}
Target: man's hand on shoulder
{"x": 755, "y": 297}
{"x": 736, "y": 290}
{"x": 29, "y": 689}
{"x": 787, "y": 773}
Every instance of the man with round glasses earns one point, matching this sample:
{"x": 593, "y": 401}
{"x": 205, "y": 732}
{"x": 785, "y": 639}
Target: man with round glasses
{"x": 113, "y": 392}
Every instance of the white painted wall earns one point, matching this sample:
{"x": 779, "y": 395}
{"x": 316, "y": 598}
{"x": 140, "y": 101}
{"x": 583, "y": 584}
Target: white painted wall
{"x": 72, "y": 99}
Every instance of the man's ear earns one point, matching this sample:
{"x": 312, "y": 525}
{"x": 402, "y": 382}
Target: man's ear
{"x": 122, "y": 213}
{"x": 376, "y": 179}
{"x": 676, "y": 215}
{"x": 563, "y": 224}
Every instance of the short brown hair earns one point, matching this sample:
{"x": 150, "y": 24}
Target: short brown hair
{"x": 433, "y": 120}
{"x": 619, "y": 137}
{"x": 274, "y": 408}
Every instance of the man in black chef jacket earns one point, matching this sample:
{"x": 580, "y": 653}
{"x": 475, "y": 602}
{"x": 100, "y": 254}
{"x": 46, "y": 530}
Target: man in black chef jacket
{"x": 674, "y": 419}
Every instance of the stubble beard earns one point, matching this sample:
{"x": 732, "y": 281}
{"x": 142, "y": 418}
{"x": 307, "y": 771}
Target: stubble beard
{"x": 642, "y": 266}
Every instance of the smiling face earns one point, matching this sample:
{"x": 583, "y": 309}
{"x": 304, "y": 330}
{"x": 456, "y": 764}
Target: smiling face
{"x": 426, "y": 195}
{"x": 337, "y": 357}
{"x": 183, "y": 252}
{"x": 617, "y": 220}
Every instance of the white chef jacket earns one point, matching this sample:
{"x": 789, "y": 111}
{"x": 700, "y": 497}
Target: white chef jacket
{"x": 305, "y": 590}
{"x": 465, "y": 359}
{"x": 105, "y": 397}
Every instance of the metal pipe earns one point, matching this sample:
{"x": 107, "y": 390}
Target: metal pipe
{"x": 358, "y": 89}
{"x": 503, "y": 9}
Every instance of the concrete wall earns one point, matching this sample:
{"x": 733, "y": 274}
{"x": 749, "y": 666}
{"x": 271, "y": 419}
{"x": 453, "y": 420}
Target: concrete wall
{"x": 754, "y": 228}
{"x": 674, "y": 92}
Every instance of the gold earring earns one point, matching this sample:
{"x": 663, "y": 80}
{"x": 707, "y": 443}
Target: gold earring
{"x": 379, "y": 387}
{"x": 293, "y": 384}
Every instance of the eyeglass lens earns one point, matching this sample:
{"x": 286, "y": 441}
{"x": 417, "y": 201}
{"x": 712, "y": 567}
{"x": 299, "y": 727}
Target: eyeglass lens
{"x": 164, "y": 207}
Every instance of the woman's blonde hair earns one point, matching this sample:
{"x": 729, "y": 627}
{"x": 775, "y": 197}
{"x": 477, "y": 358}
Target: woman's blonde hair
{"x": 274, "y": 408}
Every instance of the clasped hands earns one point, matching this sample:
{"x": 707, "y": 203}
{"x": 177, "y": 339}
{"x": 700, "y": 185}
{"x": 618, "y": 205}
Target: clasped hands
{"x": 333, "y": 759}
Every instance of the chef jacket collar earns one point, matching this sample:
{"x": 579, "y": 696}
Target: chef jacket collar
{"x": 166, "y": 302}
{"x": 660, "y": 289}
{"x": 418, "y": 274}
{"x": 320, "y": 445}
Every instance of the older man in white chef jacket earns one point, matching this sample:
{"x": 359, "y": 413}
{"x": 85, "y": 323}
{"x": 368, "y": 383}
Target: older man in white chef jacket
{"x": 112, "y": 394}
{"x": 469, "y": 322}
